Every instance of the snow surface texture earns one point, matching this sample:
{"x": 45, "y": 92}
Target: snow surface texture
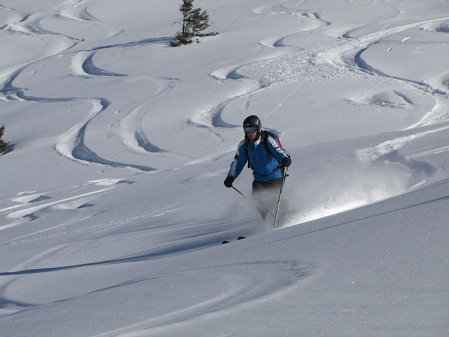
{"x": 112, "y": 204}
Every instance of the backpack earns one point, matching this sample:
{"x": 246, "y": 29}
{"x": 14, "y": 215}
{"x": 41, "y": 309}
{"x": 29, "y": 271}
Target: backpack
{"x": 263, "y": 135}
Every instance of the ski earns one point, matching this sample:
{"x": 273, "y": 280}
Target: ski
{"x": 239, "y": 238}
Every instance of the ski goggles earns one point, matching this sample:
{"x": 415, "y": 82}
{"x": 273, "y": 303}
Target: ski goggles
{"x": 250, "y": 129}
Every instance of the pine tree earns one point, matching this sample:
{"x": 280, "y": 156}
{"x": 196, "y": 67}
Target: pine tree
{"x": 199, "y": 21}
{"x": 194, "y": 21}
{"x": 186, "y": 8}
{"x": 3, "y": 144}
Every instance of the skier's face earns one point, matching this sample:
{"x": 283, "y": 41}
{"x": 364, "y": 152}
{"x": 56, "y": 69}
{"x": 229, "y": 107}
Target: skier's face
{"x": 252, "y": 135}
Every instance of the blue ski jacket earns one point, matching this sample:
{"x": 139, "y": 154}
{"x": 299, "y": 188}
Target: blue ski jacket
{"x": 265, "y": 165}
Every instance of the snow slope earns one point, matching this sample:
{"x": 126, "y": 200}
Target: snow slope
{"x": 112, "y": 206}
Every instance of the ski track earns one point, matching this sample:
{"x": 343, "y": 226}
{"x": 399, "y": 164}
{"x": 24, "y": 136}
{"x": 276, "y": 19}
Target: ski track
{"x": 338, "y": 59}
{"x": 63, "y": 231}
{"x": 238, "y": 292}
{"x": 212, "y": 119}
{"x": 27, "y": 206}
{"x": 71, "y": 144}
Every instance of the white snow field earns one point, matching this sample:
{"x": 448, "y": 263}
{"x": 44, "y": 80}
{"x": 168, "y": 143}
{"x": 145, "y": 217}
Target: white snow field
{"x": 112, "y": 204}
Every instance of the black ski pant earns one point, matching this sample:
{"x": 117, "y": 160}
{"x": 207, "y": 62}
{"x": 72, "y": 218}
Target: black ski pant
{"x": 265, "y": 196}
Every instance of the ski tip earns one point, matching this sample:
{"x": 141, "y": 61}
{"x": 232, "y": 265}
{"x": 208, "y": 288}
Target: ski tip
{"x": 239, "y": 238}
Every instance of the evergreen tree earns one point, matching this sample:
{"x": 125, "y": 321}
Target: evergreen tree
{"x": 186, "y": 8}
{"x": 194, "y": 21}
{"x": 3, "y": 144}
{"x": 198, "y": 21}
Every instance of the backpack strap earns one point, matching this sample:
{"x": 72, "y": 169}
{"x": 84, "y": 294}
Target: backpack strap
{"x": 264, "y": 135}
{"x": 265, "y": 142}
{"x": 245, "y": 148}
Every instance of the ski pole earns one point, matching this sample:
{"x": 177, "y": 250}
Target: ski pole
{"x": 240, "y": 193}
{"x": 284, "y": 174}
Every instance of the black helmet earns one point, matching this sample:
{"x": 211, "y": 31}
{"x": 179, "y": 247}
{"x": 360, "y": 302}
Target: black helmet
{"x": 252, "y": 122}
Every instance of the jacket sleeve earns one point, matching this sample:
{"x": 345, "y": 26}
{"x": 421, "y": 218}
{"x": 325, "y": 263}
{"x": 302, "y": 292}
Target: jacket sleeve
{"x": 239, "y": 161}
{"x": 278, "y": 152}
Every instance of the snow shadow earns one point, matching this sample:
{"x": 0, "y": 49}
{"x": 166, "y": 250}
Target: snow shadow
{"x": 89, "y": 68}
{"x": 83, "y": 153}
{"x": 441, "y": 27}
{"x": 446, "y": 81}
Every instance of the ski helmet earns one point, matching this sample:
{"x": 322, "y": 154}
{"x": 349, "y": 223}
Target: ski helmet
{"x": 252, "y": 122}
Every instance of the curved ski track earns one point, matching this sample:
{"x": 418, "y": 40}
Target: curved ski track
{"x": 71, "y": 144}
{"x": 337, "y": 59}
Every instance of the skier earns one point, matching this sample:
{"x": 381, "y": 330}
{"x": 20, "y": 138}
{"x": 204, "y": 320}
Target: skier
{"x": 267, "y": 159}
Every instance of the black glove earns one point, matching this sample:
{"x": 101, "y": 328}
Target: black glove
{"x": 286, "y": 162}
{"x": 228, "y": 181}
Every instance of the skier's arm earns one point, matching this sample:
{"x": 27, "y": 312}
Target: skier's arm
{"x": 239, "y": 161}
{"x": 281, "y": 155}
